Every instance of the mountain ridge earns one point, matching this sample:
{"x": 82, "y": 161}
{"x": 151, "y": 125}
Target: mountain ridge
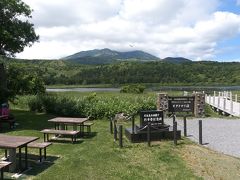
{"x": 106, "y": 56}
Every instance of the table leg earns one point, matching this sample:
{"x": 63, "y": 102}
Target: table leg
{"x": 13, "y": 159}
{"x": 2, "y": 174}
{"x": 40, "y": 154}
{"x": 6, "y": 153}
{"x": 26, "y": 158}
{"x": 20, "y": 159}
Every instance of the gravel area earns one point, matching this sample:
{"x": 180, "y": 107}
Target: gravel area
{"x": 222, "y": 135}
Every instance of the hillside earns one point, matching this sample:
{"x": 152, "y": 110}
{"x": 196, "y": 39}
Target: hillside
{"x": 106, "y": 56}
{"x": 176, "y": 60}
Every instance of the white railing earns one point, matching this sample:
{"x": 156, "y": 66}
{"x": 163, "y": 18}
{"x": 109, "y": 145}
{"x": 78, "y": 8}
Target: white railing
{"x": 225, "y": 101}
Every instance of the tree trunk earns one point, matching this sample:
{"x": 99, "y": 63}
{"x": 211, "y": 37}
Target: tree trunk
{"x": 3, "y": 85}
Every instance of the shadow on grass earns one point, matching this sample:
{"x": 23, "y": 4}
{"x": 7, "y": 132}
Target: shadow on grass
{"x": 35, "y": 167}
{"x": 66, "y": 141}
{"x": 90, "y": 135}
{"x": 38, "y": 167}
{"x": 26, "y": 120}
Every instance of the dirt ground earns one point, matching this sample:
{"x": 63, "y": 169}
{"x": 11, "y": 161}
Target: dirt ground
{"x": 209, "y": 164}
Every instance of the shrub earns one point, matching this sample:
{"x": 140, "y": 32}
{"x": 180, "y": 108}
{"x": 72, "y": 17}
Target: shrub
{"x": 93, "y": 106}
{"x": 135, "y": 88}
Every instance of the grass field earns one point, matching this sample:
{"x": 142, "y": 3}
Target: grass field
{"x": 99, "y": 157}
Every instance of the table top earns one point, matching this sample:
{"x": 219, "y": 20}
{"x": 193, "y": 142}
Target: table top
{"x": 68, "y": 120}
{"x": 9, "y": 141}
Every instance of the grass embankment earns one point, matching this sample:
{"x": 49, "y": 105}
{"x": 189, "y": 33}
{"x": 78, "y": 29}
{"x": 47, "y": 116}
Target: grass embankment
{"x": 98, "y": 157}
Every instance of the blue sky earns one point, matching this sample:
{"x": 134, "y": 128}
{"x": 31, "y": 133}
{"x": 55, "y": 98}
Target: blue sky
{"x": 194, "y": 29}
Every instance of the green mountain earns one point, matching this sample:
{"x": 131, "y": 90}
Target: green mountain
{"x": 106, "y": 56}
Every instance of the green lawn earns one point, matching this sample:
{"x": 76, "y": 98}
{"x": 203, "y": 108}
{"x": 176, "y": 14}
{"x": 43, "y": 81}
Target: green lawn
{"x": 98, "y": 156}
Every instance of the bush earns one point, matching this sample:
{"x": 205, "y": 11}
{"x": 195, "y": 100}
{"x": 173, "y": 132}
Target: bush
{"x": 93, "y": 106}
{"x": 133, "y": 89}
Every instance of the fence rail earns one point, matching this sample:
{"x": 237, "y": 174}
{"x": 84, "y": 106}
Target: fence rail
{"x": 225, "y": 102}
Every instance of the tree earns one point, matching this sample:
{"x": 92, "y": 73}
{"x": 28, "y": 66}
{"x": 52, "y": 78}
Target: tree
{"x": 3, "y": 85}
{"x": 16, "y": 32}
{"x": 22, "y": 81}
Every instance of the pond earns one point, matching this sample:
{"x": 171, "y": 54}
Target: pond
{"x": 83, "y": 89}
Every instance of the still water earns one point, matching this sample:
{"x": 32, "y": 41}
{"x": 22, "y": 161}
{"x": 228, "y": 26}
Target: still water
{"x": 83, "y": 89}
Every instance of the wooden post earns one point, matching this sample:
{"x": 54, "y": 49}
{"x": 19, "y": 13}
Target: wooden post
{"x": 115, "y": 130}
{"x": 133, "y": 125}
{"x": 185, "y": 125}
{"x": 175, "y": 133}
{"x": 174, "y": 118}
{"x": 111, "y": 125}
{"x": 120, "y": 136}
{"x": 148, "y": 135}
{"x": 236, "y": 98}
{"x": 200, "y": 131}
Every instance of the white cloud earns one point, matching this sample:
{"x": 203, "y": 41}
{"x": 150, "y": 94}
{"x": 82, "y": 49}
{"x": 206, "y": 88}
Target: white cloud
{"x": 165, "y": 28}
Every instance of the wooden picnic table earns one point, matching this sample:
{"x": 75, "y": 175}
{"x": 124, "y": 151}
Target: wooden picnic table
{"x": 68, "y": 121}
{"x": 12, "y": 143}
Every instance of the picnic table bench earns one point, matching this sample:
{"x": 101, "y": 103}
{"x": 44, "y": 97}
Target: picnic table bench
{"x": 7, "y": 119}
{"x": 73, "y": 134}
{"x": 40, "y": 146}
{"x": 88, "y": 125}
{"x": 3, "y": 165}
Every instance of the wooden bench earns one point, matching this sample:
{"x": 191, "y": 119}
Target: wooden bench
{"x": 9, "y": 120}
{"x": 3, "y": 165}
{"x": 88, "y": 125}
{"x": 73, "y": 134}
{"x": 40, "y": 146}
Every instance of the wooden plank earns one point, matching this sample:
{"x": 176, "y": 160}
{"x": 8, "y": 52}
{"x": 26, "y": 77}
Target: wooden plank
{"x": 63, "y": 132}
{"x": 39, "y": 144}
{"x": 8, "y": 141}
{"x": 4, "y": 164}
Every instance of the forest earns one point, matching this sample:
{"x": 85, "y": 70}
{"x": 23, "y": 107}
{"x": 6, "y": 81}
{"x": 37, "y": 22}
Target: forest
{"x": 128, "y": 72}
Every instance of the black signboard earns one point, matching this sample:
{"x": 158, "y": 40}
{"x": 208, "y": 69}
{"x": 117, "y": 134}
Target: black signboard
{"x": 181, "y": 104}
{"x": 155, "y": 118}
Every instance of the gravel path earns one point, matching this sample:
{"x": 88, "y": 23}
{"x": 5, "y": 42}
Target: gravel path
{"x": 222, "y": 135}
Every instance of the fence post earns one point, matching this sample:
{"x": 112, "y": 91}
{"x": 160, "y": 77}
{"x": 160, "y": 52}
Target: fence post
{"x": 185, "y": 125}
{"x": 111, "y": 126}
{"x": 115, "y": 130}
{"x": 120, "y": 136}
{"x": 174, "y": 118}
{"x": 148, "y": 135}
{"x": 200, "y": 131}
{"x": 175, "y": 133}
{"x": 219, "y": 95}
{"x": 214, "y": 94}
{"x": 224, "y": 103}
{"x": 133, "y": 124}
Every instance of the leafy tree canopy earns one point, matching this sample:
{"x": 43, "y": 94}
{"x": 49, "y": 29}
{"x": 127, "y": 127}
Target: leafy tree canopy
{"x": 16, "y": 32}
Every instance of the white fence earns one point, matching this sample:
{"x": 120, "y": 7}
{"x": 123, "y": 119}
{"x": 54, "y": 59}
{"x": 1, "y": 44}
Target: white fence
{"x": 225, "y": 101}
